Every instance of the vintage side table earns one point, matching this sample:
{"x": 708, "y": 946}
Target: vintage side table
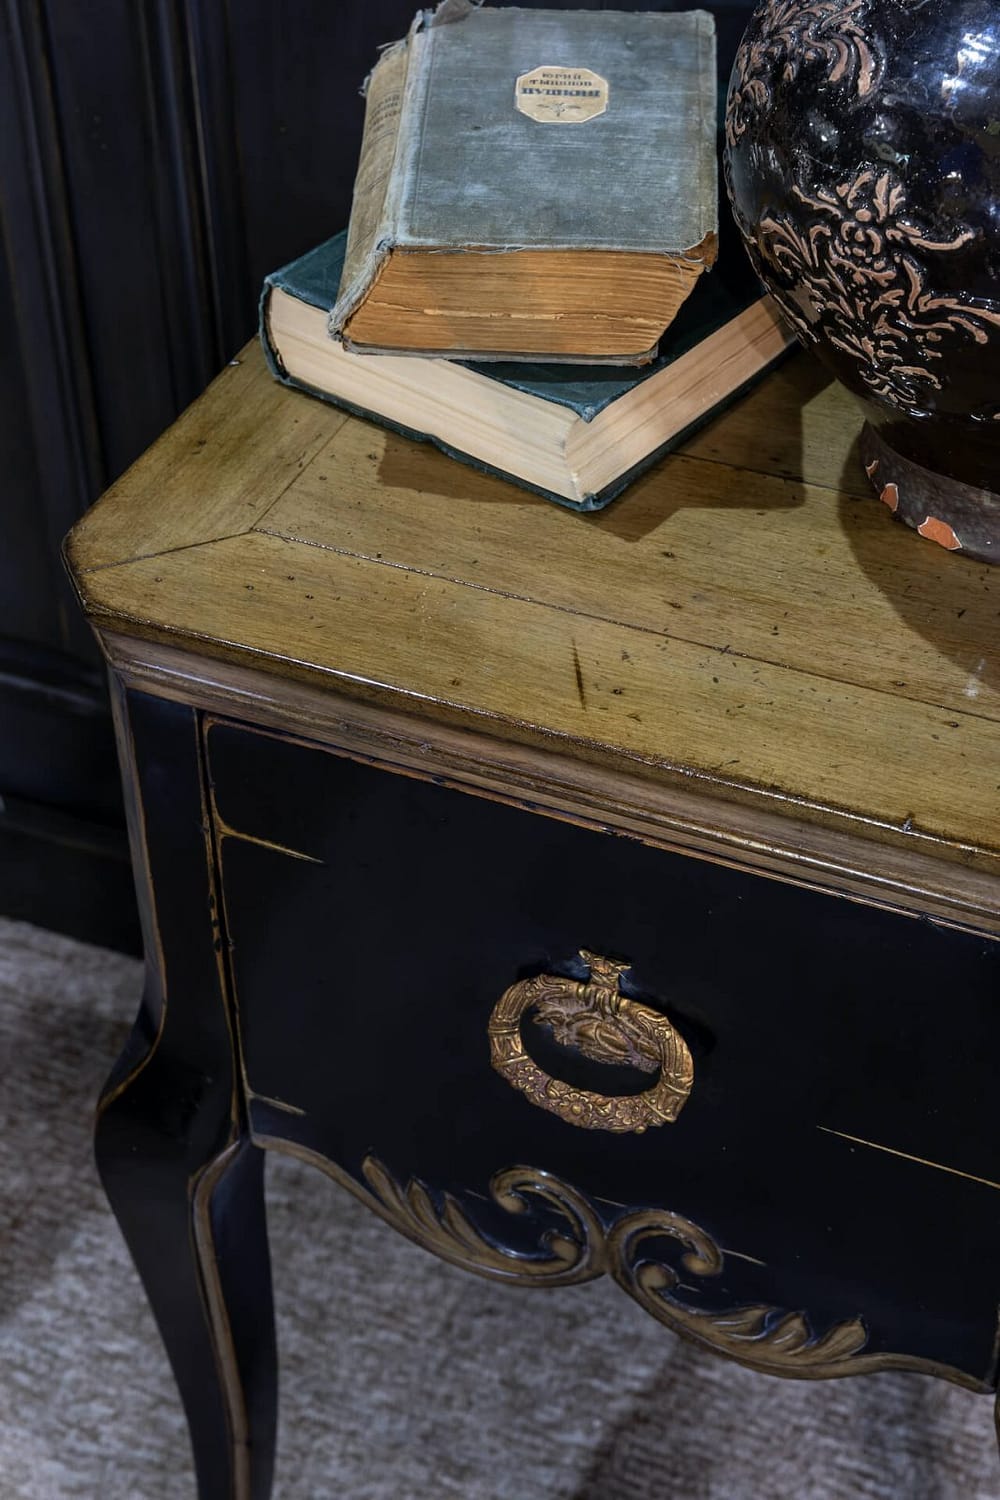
{"x": 587, "y": 895}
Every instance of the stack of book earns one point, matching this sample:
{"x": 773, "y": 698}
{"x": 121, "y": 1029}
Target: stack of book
{"x": 533, "y": 277}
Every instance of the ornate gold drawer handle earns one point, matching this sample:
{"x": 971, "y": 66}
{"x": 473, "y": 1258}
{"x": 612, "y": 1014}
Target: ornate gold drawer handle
{"x": 598, "y": 1020}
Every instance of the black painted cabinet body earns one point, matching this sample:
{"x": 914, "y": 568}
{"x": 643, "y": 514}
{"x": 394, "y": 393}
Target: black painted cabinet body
{"x": 417, "y": 906}
{"x": 335, "y": 936}
{"x": 331, "y": 910}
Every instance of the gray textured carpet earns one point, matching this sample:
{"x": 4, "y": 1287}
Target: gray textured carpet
{"x": 402, "y": 1379}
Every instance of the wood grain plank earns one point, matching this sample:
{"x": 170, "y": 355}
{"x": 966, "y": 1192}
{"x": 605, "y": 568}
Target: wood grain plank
{"x": 892, "y": 871}
{"x": 798, "y": 424}
{"x": 784, "y": 572}
{"x": 216, "y": 471}
{"x": 607, "y": 692}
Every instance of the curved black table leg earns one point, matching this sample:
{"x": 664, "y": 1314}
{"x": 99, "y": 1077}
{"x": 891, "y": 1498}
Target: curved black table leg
{"x": 184, "y": 1179}
{"x": 198, "y": 1235}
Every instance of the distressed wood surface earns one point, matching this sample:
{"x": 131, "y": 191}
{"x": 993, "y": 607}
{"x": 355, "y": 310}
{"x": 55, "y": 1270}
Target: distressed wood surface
{"x": 746, "y": 621}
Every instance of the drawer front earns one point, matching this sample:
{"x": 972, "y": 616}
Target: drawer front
{"x": 836, "y": 1152}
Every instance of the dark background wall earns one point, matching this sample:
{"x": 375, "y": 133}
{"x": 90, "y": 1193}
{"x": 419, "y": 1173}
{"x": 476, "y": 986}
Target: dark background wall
{"x": 157, "y": 158}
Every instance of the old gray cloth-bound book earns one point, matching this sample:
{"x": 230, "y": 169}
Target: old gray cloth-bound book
{"x": 532, "y": 183}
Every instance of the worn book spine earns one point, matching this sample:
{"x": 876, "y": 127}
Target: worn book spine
{"x": 394, "y": 96}
{"x": 377, "y": 184}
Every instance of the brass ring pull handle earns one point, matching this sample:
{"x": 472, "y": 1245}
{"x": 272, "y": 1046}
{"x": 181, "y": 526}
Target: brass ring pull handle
{"x": 598, "y": 1020}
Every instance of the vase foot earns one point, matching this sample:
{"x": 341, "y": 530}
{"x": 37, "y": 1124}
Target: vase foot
{"x": 957, "y": 516}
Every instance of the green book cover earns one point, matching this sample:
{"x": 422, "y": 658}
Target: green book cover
{"x": 649, "y": 410}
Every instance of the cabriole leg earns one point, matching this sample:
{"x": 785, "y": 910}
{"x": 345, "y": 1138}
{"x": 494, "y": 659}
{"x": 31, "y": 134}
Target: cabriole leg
{"x": 183, "y": 1178}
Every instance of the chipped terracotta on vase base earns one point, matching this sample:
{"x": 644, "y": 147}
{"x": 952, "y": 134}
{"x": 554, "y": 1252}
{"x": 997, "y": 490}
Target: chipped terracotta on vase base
{"x": 863, "y": 165}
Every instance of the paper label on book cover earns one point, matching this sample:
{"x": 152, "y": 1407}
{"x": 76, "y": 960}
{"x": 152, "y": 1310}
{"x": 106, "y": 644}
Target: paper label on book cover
{"x": 561, "y": 96}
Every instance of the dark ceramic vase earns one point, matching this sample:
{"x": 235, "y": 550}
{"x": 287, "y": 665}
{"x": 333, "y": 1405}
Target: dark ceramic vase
{"x": 863, "y": 165}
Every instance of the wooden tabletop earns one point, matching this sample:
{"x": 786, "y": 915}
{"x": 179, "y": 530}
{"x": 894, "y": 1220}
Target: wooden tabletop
{"x": 746, "y": 622}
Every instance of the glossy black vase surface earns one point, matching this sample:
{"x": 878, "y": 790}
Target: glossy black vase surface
{"x": 863, "y": 165}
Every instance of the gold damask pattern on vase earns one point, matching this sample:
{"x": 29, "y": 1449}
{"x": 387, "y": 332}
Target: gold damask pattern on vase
{"x": 775, "y": 1341}
{"x": 839, "y": 266}
{"x": 848, "y": 270}
{"x": 599, "y": 1021}
{"x": 791, "y": 33}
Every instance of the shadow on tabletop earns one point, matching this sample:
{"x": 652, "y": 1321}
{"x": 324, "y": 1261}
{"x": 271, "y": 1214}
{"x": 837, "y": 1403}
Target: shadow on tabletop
{"x": 670, "y": 485}
{"x": 949, "y": 600}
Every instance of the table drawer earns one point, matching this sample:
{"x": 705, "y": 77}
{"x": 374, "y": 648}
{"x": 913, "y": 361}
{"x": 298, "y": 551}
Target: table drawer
{"x": 836, "y": 1146}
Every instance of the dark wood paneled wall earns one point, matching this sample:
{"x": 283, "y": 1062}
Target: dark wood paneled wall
{"x": 157, "y": 158}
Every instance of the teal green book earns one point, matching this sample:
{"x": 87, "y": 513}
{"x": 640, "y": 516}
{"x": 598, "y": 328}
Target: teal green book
{"x": 577, "y": 434}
